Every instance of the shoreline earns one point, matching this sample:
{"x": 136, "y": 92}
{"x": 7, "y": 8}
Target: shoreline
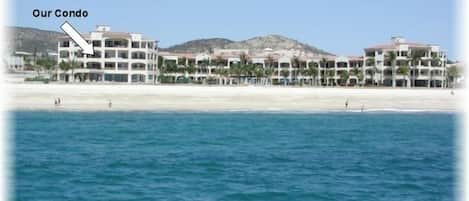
{"x": 193, "y": 98}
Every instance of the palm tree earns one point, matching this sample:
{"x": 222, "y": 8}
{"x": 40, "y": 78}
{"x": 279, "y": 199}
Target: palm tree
{"x": 269, "y": 64}
{"x": 47, "y": 64}
{"x": 323, "y": 64}
{"x": 452, "y": 74}
{"x": 222, "y": 73}
{"x": 434, "y": 62}
{"x": 235, "y": 69}
{"x": 190, "y": 69}
{"x": 161, "y": 68}
{"x": 182, "y": 61}
{"x": 269, "y": 61}
{"x": 243, "y": 58}
{"x": 344, "y": 76}
{"x": 312, "y": 72}
{"x": 415, "y": 56}
{"x": 259, "y": 73}
{"x": 268, "y": 72}
{"x": 295, "y": 61}
{"x": 73, "y": 66}
{"x": 357, "y": 73}
{"x": 404, "y": 70}
{"x": 360, "y": 77}
{"x": 392, "y": 58}
{"x": 64, "y": 66}
{"x": 219, "y": 63}
{"x": 38, "y": 68}
{"x": 285, "y": 74}
{"x": 329, "y": 75}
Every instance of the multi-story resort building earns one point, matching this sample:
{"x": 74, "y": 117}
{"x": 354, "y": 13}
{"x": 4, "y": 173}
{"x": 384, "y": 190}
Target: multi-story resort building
{"x": 427, "y": 64}
{"x": 408, "y": 64}
{"x": 118, "y": 57}
{"x": 127, "y": 57}
{"x": 285, "y": 66}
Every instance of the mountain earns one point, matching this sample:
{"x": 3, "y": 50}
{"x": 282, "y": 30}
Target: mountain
{"x": 256, "y": 44}
{"x": 28, "y": 39}
{"x": 200, "y": 45}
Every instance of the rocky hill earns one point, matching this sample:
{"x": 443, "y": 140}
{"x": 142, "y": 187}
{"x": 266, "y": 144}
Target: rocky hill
{"x": 31, "y": 39}
{"x": 274, "y": 42}
{"x": 200, "y": 45}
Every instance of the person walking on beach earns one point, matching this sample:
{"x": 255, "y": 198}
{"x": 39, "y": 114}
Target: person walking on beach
{"x": 346, "y": 104}
{"x": 58, "y": 101}
{"x": 109, "y": 104}
{"x": 55, "y": 102}
{"x": 363, "y": 107}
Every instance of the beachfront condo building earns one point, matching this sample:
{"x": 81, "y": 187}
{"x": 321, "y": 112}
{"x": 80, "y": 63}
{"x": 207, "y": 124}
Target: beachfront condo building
{"x": 398, "y": 63}
{"x": 407, "y": 63}
{"x": 284, "y": 67}
{"x": 118, "y": 57}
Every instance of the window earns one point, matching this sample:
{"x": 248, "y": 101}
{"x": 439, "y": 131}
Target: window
{"x": 64, "y": 54}
{"x": 110, "y": 65}
{"x": 96, "y": 43}
{"x": 138, "y": 55}
{"x": 109, "y": 54}
{"x": 370, "y": 54}
{"x": 138, "y": 66}
{"x": 93, "y": 65}
{"x": 135, "y": 45}
{"x": 116, "y": 43}
{"x": 79, "y": 54}
{"x": 97, "y": 54}
{"x": 123, "y": 54}
{"x": 123, "y": 66}
{"x": 284, "y": 65}
{"x": 65, "y": 43}
{"x": 341, "y": 64}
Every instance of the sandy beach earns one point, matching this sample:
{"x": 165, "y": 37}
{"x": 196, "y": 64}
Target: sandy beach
{"x": 89, "y": 97}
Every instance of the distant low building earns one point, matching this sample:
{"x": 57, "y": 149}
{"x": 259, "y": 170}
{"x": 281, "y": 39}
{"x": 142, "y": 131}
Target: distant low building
{"x": 456, "y": 78}
{"x": 19, "y": 61}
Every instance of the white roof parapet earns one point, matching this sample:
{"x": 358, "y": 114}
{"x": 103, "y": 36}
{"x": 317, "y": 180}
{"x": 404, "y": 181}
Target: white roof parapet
{"x": 341, "y": 59}
{"x": 103, "y": 28}
{"x": 257, "y": 60}
{"x": 202, "y": 56}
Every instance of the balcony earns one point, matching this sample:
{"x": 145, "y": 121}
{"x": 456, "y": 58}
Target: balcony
{"x": 109, "y": 66}
{"x": 117, "y": 43}
{"x": 93, "y": 65}
{"x": 138, "y": 66}
{"x": 122, "y": 66}
{"x": 138, "y": 55}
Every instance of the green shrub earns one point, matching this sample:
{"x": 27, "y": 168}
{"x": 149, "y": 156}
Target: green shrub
{"x": 183, "y": 80}
{"x": 37, "y": 79}
{"x": 166, "y": 79}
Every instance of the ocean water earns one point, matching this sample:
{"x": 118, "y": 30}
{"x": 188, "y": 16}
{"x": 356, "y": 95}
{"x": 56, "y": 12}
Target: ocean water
{"x": 233, "y": 156}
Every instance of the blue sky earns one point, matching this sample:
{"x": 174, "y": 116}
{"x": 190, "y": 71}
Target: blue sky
{"x": 342, "y": 27}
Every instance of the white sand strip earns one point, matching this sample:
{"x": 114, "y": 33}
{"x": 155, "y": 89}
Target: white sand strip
{"x": 87, "y": 97}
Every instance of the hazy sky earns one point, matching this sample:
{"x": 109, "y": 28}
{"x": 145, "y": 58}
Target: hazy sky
{"x": 342, "y": 27}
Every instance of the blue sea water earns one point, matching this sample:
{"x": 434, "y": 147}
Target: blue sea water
{"x": 233, "y": 156}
